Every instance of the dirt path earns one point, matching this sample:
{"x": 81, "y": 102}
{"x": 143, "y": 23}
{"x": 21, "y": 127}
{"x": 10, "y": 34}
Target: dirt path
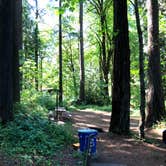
{"x": 122, "y": 150}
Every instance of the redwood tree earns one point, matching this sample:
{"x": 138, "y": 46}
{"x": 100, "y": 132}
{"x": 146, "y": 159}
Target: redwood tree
{"x": 155, "y": 99}
{"x": 120, "y": 119}
{"x": 6, "y": 59}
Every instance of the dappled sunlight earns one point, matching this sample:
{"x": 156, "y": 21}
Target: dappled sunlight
{"x": 114, "y": 148}
{"x": 89, "y": 118}
{"x": 83, "y": 125}
{"x": 133, "y": 124}
{"x": 106, "y": 120}
{"x": 157, "y": 133}
{"x": 125, "y": 147}
{"x": 124, "y": 152}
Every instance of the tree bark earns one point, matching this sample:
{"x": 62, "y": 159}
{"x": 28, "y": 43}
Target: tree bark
{"x": 120, "y": 118}
{"x": 82, "y": 72}
{"x": 60, "y": 57}
{"x": 17, "y": 47}
{"x": 6, "y": 59}
{"x": 155, "y": 99}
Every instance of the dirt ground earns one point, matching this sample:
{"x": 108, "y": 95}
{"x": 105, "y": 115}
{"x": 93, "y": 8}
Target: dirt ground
{"x": 122, "y": 150}
{"x": 111, "y": 148}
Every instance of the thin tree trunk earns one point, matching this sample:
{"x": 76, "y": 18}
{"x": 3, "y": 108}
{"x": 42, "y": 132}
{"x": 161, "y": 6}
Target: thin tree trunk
{"x": 6, "y": 59}
{"x": 41, "y": 73}
{"x": 73, "y": 71}
{"x": 101, "y": 7}
{"x": 141, "y": 71}
{"x": 155, "y": 99}
{"x": 120, "y": 119}
{"x": 60, "y": 57}
{"x": 82, "y": 72}
{"x": 37, "y": 47}
{"x": 104, "y": 54}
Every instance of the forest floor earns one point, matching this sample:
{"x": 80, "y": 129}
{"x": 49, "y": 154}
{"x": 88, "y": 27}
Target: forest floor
{"x": 112, "y": 150}
{"x": 125, "y": 150}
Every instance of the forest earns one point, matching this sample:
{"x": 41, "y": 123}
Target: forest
{"x": 70, "y": 64}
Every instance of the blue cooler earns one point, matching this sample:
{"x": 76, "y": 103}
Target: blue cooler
{"x": 87, "y": 137}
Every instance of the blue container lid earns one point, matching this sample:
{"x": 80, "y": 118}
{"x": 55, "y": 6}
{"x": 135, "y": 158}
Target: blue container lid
{"x": 87, "y": 130}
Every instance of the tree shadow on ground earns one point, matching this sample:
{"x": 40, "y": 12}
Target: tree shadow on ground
{"x": 127, "y": 150}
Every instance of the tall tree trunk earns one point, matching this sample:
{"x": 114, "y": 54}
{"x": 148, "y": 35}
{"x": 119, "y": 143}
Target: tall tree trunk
{"x": 141, "y": 71}
{"x": 72, "y": 68}
{"x": 120, "y": 119}
{"x": 17, "y": 47}
{"x": 60, "y": 56}
{"x": 82, "y": 72}
{"x": 41, "y": 73}
{"x": 104, "y": 53}
{"x": 155, "y": 100}
{"x": 37, "y": 47}
{"x": 6, "y": 59}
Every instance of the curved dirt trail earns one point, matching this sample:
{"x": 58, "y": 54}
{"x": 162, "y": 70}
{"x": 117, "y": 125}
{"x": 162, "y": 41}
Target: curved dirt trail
{"x": 122, "y": 150}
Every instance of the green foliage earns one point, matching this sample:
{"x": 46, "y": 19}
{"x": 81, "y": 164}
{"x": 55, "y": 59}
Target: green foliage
{"x": 94, "y": 96}
{"x": 41, "y": 99}
{"x": 46, "y": 101}
{"x": 48, "y": 60}
{"x": 134, "y": 67}
{"x": 161, "y": 124}
{"x": 31, "y": 134}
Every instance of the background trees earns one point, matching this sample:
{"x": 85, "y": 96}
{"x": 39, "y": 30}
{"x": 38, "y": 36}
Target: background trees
{"x": 101, "y": 9}
{"x": 36, "y": 39}
{"x": 42, "y": 44}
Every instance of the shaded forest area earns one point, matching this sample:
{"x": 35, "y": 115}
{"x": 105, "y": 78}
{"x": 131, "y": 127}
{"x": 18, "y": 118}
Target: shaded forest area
{"x": 105, "y": 53}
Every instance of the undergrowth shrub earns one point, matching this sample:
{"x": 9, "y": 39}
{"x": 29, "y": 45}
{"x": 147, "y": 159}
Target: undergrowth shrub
{"x": 46, "y": 101}
{"x": 94, "y": 96}
{"x": 31, "y": 134}
{"x": 43, "y": 99}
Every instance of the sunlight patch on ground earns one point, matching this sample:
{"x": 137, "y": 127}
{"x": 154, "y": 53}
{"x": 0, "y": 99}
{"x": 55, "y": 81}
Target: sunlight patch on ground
{"x": 95, "y": 111}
